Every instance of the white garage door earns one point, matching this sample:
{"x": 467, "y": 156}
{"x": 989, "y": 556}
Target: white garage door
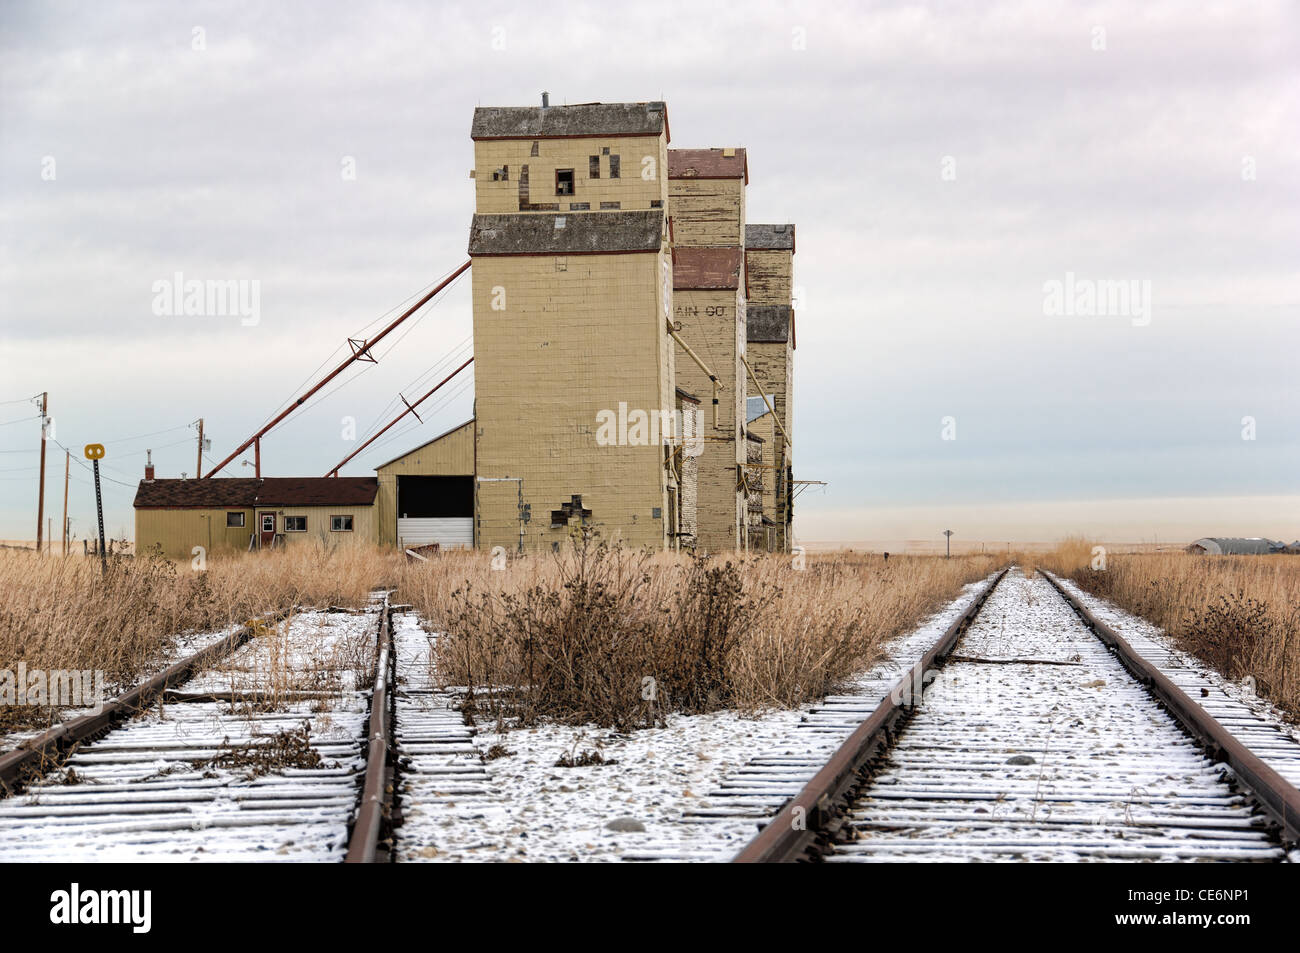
{"x": 447, "y": 532}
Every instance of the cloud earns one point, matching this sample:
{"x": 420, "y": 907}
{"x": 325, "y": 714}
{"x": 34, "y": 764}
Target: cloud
{"x": 923, "y": 294}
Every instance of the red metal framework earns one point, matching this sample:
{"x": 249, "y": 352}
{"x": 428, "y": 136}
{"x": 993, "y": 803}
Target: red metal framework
{"x": 360, "y": 352}
{"x": 410, "y": 409}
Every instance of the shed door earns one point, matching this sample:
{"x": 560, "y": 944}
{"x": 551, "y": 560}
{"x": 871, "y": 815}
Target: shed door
{"x": 267, "y": 530}
{"x": 435, "y": 509}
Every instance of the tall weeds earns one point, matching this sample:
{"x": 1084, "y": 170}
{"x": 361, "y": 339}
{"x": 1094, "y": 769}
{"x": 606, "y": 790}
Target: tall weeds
{"x": 619, "y": 638}
{"x": 1239, "y": 614}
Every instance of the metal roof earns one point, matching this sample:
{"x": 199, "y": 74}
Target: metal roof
{"x": 569, "y": 233}
{"x": 585, "y": 119}
{"x": 767, "y": 323}
{"x": 708, "y": 164}
{"x": 1237, "y": 545}
{"x": 775, "y": 237}
{"x": 707, "y": 269}
{"x": 755, "y": 408}
{"x": 217, "y": 492}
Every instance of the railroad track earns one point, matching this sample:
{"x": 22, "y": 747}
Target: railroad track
{"x": 279, "y": 748}
{"x": 1045, "y": 736}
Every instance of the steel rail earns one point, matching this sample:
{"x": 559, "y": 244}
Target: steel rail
{"x": 1279, "y": 799}
{"x": 374, "y": 809}
{"x": 808, "y": 823}
{"x": 52, "y": 747}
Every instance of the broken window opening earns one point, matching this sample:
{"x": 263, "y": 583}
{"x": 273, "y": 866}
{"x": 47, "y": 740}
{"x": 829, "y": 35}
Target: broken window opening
{"x": 502, "y": 174}
{"x": 613, "y": 167}
{"x": 536, "y": 148}
{"x": 563, "y": 181}
{"x": 593, "y": 167}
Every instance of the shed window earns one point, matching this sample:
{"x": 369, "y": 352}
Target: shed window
{"x": 340, "y": 524}
{"x": 563, "y": 181}
{"x": 234, "y": 519}
{"x": 295, "y": 524}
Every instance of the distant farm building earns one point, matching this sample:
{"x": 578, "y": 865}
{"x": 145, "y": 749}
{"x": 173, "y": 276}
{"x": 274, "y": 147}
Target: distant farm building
{"x": 1235, "y": 546}
{"x": 242, "y": 514}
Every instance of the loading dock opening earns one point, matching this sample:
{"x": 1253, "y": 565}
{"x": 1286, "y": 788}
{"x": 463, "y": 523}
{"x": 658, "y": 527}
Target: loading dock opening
{"x": 435, "y": 509}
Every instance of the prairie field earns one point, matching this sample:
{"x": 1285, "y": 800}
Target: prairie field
{"x": 1239, "y": 614}
{"x": 595, "y": 633}
{"x": 622, "y": 638}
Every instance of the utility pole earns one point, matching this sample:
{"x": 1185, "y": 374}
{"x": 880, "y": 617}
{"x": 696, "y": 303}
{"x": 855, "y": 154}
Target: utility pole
{"x": 40, "y": 498}
{"x": 198, "y": 467}
{"x": 67, "y": 468}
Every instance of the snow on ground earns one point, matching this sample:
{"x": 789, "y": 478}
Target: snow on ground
{"x": 180, "y": 646}
{"x": 179, "y": 782}
{"x": 1254, "y": 720}
{"x": 521, "y": 807}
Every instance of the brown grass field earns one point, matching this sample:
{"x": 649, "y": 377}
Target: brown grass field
{"x": 574, "y": 636}
{"x": 622, "y": 638}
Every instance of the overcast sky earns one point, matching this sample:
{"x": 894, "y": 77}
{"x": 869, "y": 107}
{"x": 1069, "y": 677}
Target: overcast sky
{"x": 944, "y": 163}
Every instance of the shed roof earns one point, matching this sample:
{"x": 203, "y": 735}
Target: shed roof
{"x": 773, "y": 237}
{"x": 554, "y": 233}
{"x": 767, "y": 323}
{"x": 583, "y": 119}
{"x": 706, "y": 269}
{"x": 708, "y": 164}
{"x": 242, "y": 492}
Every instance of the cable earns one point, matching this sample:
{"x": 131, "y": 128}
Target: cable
{"x": 357, "y": 334}
{"x": 19, "y": 420}
{"x": 317, "y": 401}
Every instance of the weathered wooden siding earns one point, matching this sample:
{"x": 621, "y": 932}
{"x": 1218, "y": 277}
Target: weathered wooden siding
{"x": 712, "y": 324}
{"x": 769, "y": 276}
{"x": 178, "y": 531}
{"x": 707, "y": 211}
{"x": 642, "y": 160}
{"x": 578, "y": 336}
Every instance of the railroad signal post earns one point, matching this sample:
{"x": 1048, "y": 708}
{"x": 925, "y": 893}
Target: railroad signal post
{"x": 94, "y": 453}
{"x": 947, "y": 554}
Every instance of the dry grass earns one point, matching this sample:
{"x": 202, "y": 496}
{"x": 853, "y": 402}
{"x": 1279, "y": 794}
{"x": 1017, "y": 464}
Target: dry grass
{"x": 620, "y": 638}
{"x": 58, "y": 613}
{"x": 1239, "y": 614}
{"x": 609, "y": 636}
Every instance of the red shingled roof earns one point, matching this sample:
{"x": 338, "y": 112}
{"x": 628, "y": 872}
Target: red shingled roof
{"x": 707, "y": 269}
{"x": 271, "y": 491}
{"x": 707, "y": 164}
